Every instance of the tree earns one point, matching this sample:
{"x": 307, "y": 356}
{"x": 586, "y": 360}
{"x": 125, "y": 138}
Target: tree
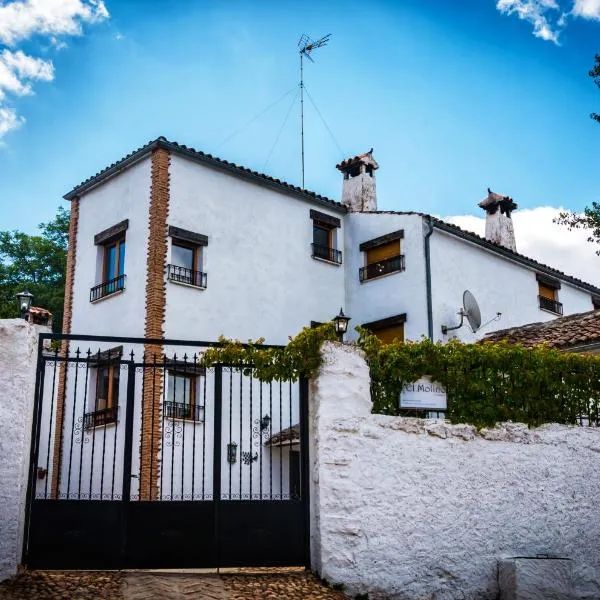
{"x": 590, "y": 218}
{"x": 36, "y": 263}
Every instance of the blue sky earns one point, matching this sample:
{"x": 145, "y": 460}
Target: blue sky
{"x": 453, "y": 96}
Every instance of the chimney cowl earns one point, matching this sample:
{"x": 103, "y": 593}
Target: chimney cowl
{"x": 358, "y": 190}
{"x": 499, "y": 227}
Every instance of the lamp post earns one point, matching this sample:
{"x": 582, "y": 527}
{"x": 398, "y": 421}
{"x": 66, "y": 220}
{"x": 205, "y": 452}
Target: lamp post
{"x": 341, "y": 325}
{"x": 25, "y": 299}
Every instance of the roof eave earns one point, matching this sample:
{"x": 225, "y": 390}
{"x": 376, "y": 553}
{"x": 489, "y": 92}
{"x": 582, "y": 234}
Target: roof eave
{"x": 207, "y": 160}
{"x": 117, "y": 168}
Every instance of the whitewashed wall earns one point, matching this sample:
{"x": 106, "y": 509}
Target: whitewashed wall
{"x": 125, "y": 196}
{"x": 18, "y": 354}
{"x": 262, "y": 281}
{"x": 410, "y": 508}
{"x": 393, "y": 294}
{"x": 498, "y": 284}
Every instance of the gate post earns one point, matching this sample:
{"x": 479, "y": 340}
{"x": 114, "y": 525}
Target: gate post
{"x": 18, "y": 359}
{"x": 218, "y": 416}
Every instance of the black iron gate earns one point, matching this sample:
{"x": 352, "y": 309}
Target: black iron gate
{"x": 142, "y": 458}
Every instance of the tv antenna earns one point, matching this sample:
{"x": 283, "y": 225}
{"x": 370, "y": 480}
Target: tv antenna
{"x": 306, "y": 46}
{"x": 470, "y": 309}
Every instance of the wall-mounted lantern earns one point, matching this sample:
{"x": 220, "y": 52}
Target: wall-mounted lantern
{"x": 25, "y": 299}
{"x": 232, "y": 453}
{"x": 341, "y": 325}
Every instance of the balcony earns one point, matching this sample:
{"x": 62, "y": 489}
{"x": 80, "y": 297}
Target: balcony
{"x": 180, "y": 410}
{"x": 325, "y": 253}
{"x": 383, "y": 267}
{"x": 107, "y": 288}
{"x": 186, "y": 276}
{"x": 551, "y": 305}
{"x": 100, "y": 417}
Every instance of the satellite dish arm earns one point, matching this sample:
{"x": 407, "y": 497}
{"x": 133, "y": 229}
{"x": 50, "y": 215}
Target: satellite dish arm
{"x": 446, "y": 329}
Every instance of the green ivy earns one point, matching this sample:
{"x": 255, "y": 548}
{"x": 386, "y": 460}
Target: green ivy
{"x": 486, "y": 383}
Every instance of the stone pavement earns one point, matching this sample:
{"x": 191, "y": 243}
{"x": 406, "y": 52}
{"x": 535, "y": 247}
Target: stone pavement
{"x": 268, "y": 584}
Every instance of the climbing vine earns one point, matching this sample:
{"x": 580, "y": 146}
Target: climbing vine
{"x": 485, "y": 383}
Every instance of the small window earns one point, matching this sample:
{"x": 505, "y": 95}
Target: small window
{"x": 186, "y": 258}
{"x": 596, "y": 302}
{"x": 111, "y": 247}
{"x": 383, "y": 252}
{"x": 114, "y": 260}
{"x": 383, "y": 255}
{"x": 548, "y": 294}
{"x": 105, "y": 385}
{"x": 324, "y": 244}
{"x": 390, "y": 334}
{"x": 182, "y": 391}
{"x": 389, "y": 329}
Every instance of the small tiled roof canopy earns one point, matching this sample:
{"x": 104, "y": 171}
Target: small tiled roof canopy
{"x": 366, "y": 157}
{"x": 581, "y": 329}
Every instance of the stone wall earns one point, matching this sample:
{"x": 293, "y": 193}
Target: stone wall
{"x": 411, "y": 508}
{"x": 18, "y": 354}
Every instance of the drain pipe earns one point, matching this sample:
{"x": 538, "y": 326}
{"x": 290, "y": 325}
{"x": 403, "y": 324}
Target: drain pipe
{"x": 428, "y": 277}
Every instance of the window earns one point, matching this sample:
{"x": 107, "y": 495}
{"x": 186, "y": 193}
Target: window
{"x": 105, "y": 381}
{"x": 111, "y": 244}
{"x": 181, "y": 394}
{"x": 596, "y": 302}
{"x": 382, "y": 256}
{"x": 548, "y": 294}
{"x": 324, "y": 237}
{"x": 186, "y": 257}
{"x": 388, "y": 329}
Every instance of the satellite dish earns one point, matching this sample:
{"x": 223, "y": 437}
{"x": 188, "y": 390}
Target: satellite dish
{"x": 471, "y": 310}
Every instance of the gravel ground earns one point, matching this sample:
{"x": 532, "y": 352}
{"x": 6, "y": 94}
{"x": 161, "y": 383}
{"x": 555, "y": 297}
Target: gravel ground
{"x": 80, "y": 585}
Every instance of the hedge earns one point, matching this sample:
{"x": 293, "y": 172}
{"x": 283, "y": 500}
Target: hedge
{"x": 485, "y": 383}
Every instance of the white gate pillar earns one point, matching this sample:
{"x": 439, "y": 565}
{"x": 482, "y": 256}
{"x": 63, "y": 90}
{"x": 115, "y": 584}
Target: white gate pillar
{"x": 18, "y": 357}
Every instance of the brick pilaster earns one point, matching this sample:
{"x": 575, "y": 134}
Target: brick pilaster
{"x": 153, "y": 380}
{"x": 62, "y": 373}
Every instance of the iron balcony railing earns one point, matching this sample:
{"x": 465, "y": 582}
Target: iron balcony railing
{"x": 107, "y": 288}
{"x": 180, "y": 410}
{"x": 551, "y": 305}
{"x": 383, "y": 267}
{"x": 183, "y": 275}
{"x": 100, "y": 417}
{"x": 326, "y": 253}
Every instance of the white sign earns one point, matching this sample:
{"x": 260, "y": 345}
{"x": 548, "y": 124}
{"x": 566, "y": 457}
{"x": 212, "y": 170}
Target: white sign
{"x": 424, "y": 394}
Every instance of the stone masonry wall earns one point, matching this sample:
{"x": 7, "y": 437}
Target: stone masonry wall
{"x": 18, "y": 354}
{"x": 411, "y": 508}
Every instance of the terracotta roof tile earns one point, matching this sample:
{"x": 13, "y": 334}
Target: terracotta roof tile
{"x": 184, "y": 150}
{"x": 563, "y": 333}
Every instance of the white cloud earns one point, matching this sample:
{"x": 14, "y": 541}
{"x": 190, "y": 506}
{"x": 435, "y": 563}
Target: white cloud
{"x": 544, "y": 15}
{"x": 588, "y": 9}
{"x": 551, "y": 244}
{"x": 25, "y": 19}
{"x": 9, "y": 120}
{"x": 549, "y": 17}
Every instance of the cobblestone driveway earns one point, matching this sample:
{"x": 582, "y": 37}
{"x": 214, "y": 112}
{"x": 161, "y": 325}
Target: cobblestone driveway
{"x": 268, "y": 585}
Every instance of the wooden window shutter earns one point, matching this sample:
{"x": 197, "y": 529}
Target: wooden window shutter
{"x": 389, "y": 334}
{"x": 382, "y": 252}
{"x": 547, "y": 292}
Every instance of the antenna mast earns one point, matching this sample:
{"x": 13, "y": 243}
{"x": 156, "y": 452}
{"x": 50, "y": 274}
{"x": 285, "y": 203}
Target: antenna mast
{"x": 306, "y": 46}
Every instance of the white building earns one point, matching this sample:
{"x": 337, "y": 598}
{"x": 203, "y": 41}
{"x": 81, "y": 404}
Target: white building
{"x": 170, "y": 243}
{"x": 244, "y": 255}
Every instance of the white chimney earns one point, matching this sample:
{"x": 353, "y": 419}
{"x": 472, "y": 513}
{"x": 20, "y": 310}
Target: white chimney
{"x": 358, "y": 189}
{"x": 498, "y": 223}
